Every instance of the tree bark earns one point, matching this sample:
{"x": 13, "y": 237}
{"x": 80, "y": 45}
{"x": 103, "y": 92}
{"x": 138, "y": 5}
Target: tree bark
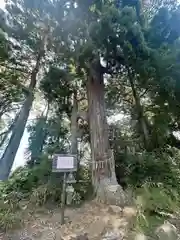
{"x": 103, "y": 170}
{"x": 74, "y": 125}
{"x": 10, "y": 129}
{"x": 40, "y": 141}
{"x": 9, "y": 155}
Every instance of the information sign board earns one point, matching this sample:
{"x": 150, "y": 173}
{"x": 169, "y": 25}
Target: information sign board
{"x": 64, "y": 163}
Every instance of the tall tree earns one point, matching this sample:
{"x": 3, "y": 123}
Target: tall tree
{"x": 92, "y": 29}
{"x": 32, "y": 39}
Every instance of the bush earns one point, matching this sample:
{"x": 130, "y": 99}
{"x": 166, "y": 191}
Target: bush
{"x": 155, "y": 179}
{"x": 9, "y": 220}
{"x": 10, "y": 210}
{"x": 83, "y": 187}
{"x": 24, "y": 179}
{"x": 157, "y": 167}
{"x": 155, "y": 203}
{"x": 156, "y": 199}
{"x": 37, "y": 186}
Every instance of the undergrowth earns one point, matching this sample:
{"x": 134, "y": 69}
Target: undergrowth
{"x": 157, "y": 189}
{"x": 155, "y": 203}
{"x": 29, "y": 188}
{"x": 154, "y": 177}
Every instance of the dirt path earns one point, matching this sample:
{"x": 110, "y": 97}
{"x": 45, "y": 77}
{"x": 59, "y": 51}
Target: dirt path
{"x": 97, "y": 221}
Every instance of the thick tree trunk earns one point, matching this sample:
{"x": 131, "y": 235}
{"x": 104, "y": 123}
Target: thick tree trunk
{"x": 104, "y": 178}
{"x": 9, "y": 155}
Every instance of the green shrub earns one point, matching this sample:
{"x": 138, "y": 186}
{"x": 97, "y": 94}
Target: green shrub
{"x": 155, "y": 178}
{"x": 25, "y": 180}
{"x": 37, "y": 186}
{"x": 156, "y": 199}
{"x": 83, "y": 187}
{"x": 157, "y": 167}
{"x": 10, "y": 210}
{"x": 40, "y": 195}
{"x": 9, "y": 220}
{"x": 154, "y": 203}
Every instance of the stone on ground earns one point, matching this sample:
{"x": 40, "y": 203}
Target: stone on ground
{"x": 140, "y": 236}
{"x": 93, "y": 221}
{"x": 113, "y": 209}
{"x": 129, "y": 212}
{"x": 167, "y": 231}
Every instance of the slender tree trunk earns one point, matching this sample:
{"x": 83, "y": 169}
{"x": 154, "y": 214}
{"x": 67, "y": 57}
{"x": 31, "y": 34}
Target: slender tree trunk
{"x": 4, "y": 138}
{"x": 9, "y": 155}
{"x": 104, "y": 178}
{"x": 3, "y": 108}
{"x": 41, "y": 133}
{"x": 74, "y": 125}
{"x": 141, "y": 118}
{"x": 45, "y": 134}
{"x": 10, "y": 129}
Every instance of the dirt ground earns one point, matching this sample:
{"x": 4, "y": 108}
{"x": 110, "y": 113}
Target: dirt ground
{"x": 92, "y": 220}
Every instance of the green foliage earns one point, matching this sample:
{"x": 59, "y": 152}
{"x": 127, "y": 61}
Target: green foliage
{"x": 41, "y": 194}
{"x": 161, "y": 166}
{"x": 154, "y": 176}
{"x": 10, "y": 215}
{"x": 57, "y": 85}
{"x": 37, "y": 138}
{"x": 35, "y": 187}
{"x": 157, "y": 198}
{"x": 155, "y": 203}
{"x": 11, "y": 88}
{"x": 142, "y": 56}
{"x": 24, "y": 179}
{"x": 83, "y": 187}
{"x": 48, "y": 135}
{"x": 9, "y": 220}
{"x": 3, "y": 47}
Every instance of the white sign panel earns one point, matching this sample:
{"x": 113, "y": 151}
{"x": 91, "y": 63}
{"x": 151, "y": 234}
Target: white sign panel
{"x": 65, "y": 162}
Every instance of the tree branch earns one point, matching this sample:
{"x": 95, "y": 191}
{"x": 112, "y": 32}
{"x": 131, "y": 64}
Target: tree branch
{"x": 141, "y": 95}
{"x": 3, "y": 133}
{"x": 82, "y": 115}
{"x": 82, "y": 98}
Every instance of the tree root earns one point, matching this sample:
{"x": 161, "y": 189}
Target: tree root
{"x": 108, "y": 191}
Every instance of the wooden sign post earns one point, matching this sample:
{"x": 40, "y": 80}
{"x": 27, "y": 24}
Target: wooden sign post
{"x": 64, "y": 164}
